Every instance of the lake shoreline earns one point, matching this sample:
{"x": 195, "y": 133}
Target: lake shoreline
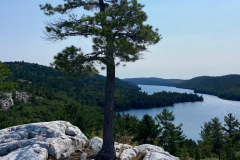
{"x": 189, "y": 89}
{"x": 192, "y": 115}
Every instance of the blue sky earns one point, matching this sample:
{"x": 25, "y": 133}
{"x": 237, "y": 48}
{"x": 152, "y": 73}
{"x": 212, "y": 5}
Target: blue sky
{"x": 200, "y": 37}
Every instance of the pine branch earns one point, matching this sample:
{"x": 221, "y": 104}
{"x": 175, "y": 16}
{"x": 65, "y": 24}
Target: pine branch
{"x": 65, "y": 8}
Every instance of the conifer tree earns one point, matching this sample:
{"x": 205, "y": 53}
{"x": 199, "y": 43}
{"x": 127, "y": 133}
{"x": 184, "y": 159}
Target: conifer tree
{"x": 231, "y": 124}
{"x": 217, "y": 135}
{"x": 232, "y": 138}
{"x": 184, "y": 155}
{"x": 147, "y": 130}
{"x": 213, "y": 139}
{"x": 191, "y": 146}
{"x": 119, "y": 35}
{"x": 5, "y": 86}
{"x": 171, "y": 136}
{"x": 197, "y": 154}
{"x": 205, "y": 144}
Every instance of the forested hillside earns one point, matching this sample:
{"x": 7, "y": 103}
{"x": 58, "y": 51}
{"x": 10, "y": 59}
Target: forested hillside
{"x": 226, "y": 87}
{"x": 42, "y": 81}
{"x": 154, "y": 81}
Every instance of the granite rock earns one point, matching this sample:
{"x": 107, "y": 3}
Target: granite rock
{"x": 31, "y": 152}
{"x": 96, "y": 143}
{"x": 23, "y": 96}
{"x": 6, "y": 101}
{"x": 126, "y": 152}
{"x": 155, "y": 153}
{"x": 49, "y": 136}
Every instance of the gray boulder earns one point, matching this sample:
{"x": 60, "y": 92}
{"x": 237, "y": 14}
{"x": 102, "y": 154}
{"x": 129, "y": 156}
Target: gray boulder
{"x": 155, "y": 153}
{"x": 120, "y": 146}
{"x": 126, "y": 152}
{"x": 96, "y": 143}
{"x": 83, "y": 156}
{"x": 32, "y": 152}
{"x": 46, "y": 136}
{"x": 129, "y": 153}
{"x": 71, "y": 131}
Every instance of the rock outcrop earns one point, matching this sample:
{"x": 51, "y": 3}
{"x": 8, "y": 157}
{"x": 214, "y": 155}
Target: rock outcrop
{"x": 126, "y": 152}
{"x": 155, "y": 153}
{"x": 59, "y": 139}
{"x": 23, "y": 96}
{"x": 6, "y": 101}
{"x": 37, "y": 140}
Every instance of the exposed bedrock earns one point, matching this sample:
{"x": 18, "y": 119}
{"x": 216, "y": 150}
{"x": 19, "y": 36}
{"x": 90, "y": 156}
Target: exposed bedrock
{"x": 57, "y": 138}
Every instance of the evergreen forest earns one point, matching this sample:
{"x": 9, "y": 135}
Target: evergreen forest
{"x": 42, "y": 81}
{"x": 80, "y": 101}
{"x": 225, "y": 87}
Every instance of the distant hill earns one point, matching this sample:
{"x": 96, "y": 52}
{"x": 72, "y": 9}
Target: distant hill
{"x": 226, "y": 87}
{"x": 154, "y": 81}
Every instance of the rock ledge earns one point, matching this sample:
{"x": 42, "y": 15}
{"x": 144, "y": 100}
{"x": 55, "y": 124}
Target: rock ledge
{"x": 37, "y": 140}
{"x": 59, "y": 139}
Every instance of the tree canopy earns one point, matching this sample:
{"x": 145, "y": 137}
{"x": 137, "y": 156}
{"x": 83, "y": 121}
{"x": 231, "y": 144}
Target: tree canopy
{"x": 119, "y": 31}
{"x": 171, "y": 136}
{"x": 5, "y": 86}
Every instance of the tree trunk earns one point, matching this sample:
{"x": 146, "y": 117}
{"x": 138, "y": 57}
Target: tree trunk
{"x": 219, "y": 155}
{"x": 101, "y": 6}
{"x": 108, "y": 150}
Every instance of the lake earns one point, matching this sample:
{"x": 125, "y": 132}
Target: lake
{"x": 191, "y": 114}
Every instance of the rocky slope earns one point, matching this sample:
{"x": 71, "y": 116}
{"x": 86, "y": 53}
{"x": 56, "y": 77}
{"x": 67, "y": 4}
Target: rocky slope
{"x": 7, "y": 99}
{"x": 59, "y": 139}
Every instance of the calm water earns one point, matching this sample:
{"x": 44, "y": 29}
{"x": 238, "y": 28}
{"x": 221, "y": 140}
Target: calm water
{"x": 191, "y": 115}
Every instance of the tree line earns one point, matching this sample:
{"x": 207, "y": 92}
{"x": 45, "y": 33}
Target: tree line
{"x": 42, "y": 81}
{"x": 225, "y": 87}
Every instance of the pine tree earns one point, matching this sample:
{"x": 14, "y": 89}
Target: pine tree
{"x": 213, "y": 138}
{"x": 184, "y": 155}
{"x": 119, "y": 36}
{"x": 147, "y": 130}
{"x": 197, "y": 154}
{"x": 206, "y": 143}
{"x": 171, "y": 136}
{"x": 231, "y": 128}
{"x": 5, "y": 86}
{"x": 217, "y": 135}
{"x": 231, "y": 124}
{"x": 191, "y": 146}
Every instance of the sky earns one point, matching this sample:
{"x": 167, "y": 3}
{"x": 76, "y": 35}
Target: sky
{"x": 200, "y": 38}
